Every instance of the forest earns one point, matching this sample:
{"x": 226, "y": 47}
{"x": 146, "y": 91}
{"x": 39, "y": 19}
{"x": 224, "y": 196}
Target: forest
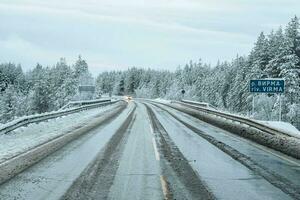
{"x": 225, "y": 85}
{"x": 39, "y": 90}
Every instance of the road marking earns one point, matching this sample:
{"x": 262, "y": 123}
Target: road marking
{"x": 151, "y": 129}
{"x": 155, "y": 149}
{"x": 164, "y": 186}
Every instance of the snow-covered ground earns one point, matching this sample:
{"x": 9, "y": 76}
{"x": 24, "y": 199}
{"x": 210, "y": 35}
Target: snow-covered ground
{"x": 283, "y": 126}
{"x": 196, "y": 102}
{"x": 162, "y": 100}
{"x": 25, "y": 138}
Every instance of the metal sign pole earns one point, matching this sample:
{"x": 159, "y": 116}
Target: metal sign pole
{"x": 279, "y": 107}
{"x": 182, "y": 94}
{"x": 253, "y": 105}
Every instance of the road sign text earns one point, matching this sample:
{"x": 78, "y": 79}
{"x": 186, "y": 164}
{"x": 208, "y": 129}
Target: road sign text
{"x": 267, "y": 86}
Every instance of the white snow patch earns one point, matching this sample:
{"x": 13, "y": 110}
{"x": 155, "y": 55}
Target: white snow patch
{"x": 162, "y": 100}
{"x": 196, "y": 102}
{"x": 283, "y": 126}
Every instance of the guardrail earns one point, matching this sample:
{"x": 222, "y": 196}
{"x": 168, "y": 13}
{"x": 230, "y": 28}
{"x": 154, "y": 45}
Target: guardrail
{"x": 262, "y": 134}
{"x": 12, "y": 166}
{"x": 237, "y": 118}
{"x": 82, "y": 103}
{"x": 6, "y": 128}
{"x": 202, "y": 104}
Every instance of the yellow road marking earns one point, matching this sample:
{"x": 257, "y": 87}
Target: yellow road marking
{"x": 164, "y": 186}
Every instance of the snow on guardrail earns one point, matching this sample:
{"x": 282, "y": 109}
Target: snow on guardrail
{"x": 241, "y": 119}
{"x": 85, "y": 102}
{"x": 282, "y": 126}
{"x": 22, "y": 121}
{"x": 203, "y": 104}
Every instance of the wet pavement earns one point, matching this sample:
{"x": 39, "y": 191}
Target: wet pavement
{"x": 147, "y": 153}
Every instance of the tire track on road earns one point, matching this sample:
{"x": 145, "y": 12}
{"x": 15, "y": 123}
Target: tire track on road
{"x": 96, "y": 180}
{"x": 176, "y": 168}
{"x": 26, "y": 159}
{"x": 276, "y": 180}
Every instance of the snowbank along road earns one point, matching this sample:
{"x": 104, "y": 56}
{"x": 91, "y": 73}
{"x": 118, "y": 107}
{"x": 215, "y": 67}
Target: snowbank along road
{"x": 146, "y": 150}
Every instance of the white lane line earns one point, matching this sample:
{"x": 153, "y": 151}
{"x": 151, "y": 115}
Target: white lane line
{"x": 164, "y": 186}
{"x": 151, "y": 129}
{"x": 155, "y": 149}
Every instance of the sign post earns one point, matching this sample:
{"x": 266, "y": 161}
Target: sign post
{"x": 253, "y": 104}
{"x": 269, "y": 86}
{"x": 182, "y": 92}
{"x": 279, "y": 107}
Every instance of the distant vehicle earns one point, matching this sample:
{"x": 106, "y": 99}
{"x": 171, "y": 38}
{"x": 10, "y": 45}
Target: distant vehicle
{"x": 129, "y": 97}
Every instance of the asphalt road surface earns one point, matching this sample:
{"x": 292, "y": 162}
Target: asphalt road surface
{"x": 151, "y": 151}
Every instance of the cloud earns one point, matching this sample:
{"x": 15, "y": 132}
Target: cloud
{"x": 16, "y": 49}
{"x": 119, "y": 33}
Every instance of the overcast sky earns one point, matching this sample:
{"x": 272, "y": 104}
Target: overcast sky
{"x": 117, "y": 34}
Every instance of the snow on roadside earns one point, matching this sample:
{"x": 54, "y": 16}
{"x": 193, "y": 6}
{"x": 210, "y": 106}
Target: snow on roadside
{"x": 18, "y": 119}
{"x": 283, "y": 126}
{"x": 162, "y": 100}
{"x": 24, "y": 138}
{"x": 196, "y": 102}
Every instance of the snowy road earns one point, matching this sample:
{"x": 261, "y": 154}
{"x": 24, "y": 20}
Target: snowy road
{"x": 151, "y": 151}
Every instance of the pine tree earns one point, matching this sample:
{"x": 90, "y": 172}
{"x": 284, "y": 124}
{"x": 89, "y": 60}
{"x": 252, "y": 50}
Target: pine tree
{"x": 41, "y": 89}
{"x": 259, "y": 57}
{"x": 7, "y": 102}
{"x": 290, "y": 69}
{"x": 80, "y": 68}
{"x": 276, "y": 46}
